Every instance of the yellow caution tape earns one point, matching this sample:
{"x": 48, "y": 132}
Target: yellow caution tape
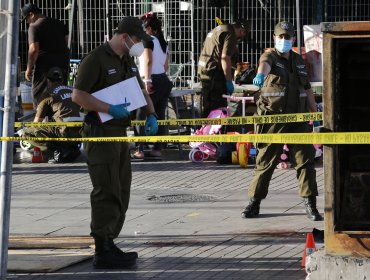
{"x": 283, "y": 118}
{"x": 280, "y": 138}
{"x": 39, "y": 124}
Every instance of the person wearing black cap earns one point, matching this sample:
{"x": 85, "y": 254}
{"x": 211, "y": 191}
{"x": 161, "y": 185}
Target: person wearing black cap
{"x": 47, "y": 40}
{"x": 285, "y": 89}
{"x": 109, "y": 162}
{"x": 57, "y": 107}
{"x": 217, "y": 62}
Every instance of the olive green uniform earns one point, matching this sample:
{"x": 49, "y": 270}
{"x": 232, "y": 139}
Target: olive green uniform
{"x": 221, "y": 39}
{"x": 57, "y": 107}
{"x": 282, "y": 93}
{"x": 108, "y": 162}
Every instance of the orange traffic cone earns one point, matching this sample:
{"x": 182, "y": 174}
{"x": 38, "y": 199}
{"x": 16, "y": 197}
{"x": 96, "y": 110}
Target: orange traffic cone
{"x": 37, "y": 155}
{"x": 309, "y": 248}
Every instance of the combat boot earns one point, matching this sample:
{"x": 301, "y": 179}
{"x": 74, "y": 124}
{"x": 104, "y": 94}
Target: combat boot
{"x": 253, "y": 208}
{"x": 108, "y": 255}
{"x": 311, "y": 210}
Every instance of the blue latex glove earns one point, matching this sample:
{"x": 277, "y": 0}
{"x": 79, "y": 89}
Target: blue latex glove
{"x": 119, "y": 111}
{"x": 151, "y": 125}
{"x": 259, "y": 79}
{"x": 316, "y": 123}
{"x": 229, "y": 87}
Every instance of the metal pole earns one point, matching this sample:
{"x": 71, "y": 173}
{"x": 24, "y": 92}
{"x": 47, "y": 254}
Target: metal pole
{"x": 8, "y": 130}
{"x": 279, "y": 10}
{"x": 70, "y": 23}
{"x": 325, "y": 10}
{"x": 192, "y": 45}
{"x": 80, "y": 26}
{"x": 298, "y": 27}
{"x": 107, "y": 19}
{"x": 202, "y": 19}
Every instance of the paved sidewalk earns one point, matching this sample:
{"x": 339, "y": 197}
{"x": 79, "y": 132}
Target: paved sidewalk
{"x": 184, "y": 220}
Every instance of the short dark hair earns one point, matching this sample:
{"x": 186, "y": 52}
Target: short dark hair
{"x": 243, "y": 23}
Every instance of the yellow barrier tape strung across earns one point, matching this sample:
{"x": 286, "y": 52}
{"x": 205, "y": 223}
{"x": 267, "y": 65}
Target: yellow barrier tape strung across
{"x": 281, "y": 138}
{"x": 283, "y": 118}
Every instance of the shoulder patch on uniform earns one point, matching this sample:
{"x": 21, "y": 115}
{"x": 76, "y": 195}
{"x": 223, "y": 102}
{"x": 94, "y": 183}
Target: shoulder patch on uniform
{"x": 112, "y": 71}
{"x": 304, "y": 73}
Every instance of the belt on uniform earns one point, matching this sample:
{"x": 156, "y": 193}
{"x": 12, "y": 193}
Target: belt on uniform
{"x": 73, "y": 119}
{"x": 279, "y": 94}
{"x": 273, "y": 94}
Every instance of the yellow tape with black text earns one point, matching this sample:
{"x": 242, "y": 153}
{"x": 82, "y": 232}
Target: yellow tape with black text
{"x": 283, "y": 118}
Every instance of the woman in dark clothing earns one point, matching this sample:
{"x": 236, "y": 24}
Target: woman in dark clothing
{"x": 153, "y": 65}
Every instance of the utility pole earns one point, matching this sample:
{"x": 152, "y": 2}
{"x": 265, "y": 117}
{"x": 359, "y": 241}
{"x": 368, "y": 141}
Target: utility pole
{"x": 12, "y": 14}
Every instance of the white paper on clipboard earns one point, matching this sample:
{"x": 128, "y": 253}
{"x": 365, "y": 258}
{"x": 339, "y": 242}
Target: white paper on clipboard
{"x": 126, "y": 91}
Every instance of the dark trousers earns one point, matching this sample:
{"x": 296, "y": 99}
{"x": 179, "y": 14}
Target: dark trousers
{"x": 162, "y": 88}
{"x": 53, "y": 132}
{"x": 213, "y": 87}
{"x": 109, "y": 167}
{"x": 268, "y": 155}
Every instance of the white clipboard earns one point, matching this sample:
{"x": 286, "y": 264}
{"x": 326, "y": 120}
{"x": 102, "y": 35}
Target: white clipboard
{"x": 127, "y": 91}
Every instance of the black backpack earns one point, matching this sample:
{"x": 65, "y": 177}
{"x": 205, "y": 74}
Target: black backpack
{"x": 245, "y": 76}
{"x": 224, "y": 151}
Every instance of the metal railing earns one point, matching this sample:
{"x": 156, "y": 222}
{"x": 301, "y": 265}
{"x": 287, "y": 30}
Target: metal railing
{"x": 186, "y": 27}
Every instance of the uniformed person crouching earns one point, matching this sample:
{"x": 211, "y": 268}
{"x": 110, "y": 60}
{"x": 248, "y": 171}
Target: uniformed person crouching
{"x": 57, "y": 107}
{"x": 217, "y": 62}
{"x": 109, "y": 163}
{"x": 285, "y": 89}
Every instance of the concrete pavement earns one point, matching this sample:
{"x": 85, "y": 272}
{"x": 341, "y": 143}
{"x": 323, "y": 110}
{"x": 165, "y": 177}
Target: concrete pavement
{"x": 184, "y": 220}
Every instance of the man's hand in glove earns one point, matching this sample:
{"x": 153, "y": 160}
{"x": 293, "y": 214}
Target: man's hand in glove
{"x": 229, "y": 87}
{"x": 119, "y": 111}
{"x": 259, "y": 79}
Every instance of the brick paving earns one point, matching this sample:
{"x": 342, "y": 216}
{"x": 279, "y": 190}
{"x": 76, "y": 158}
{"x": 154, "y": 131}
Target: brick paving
{"x": 184, "y": 220}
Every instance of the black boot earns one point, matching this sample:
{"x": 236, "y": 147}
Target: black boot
{"x": 253, "y": 208}
{"x": 108, "y": 255}
{"x": 65, "y": 154}
{"x": 311, "y": 210}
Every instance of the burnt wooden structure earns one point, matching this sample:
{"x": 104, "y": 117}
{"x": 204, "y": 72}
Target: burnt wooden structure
{"x": 346, "y": 81}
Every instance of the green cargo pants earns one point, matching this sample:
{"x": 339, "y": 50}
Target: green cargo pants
{"x": 213, "y": 87}
{"x": 52, "y": 132}
{"x": 109, "y": 167}
{"x": 268, "y": 155}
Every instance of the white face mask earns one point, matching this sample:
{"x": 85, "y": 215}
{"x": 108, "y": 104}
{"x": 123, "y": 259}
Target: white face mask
{"x": 136, "y": 49}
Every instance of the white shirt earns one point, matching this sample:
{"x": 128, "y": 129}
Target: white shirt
{"x": 159, "y": 59}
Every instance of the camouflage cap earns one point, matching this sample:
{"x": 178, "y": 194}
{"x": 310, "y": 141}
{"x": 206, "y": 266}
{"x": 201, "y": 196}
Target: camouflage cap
{"x": 284, "y": 27}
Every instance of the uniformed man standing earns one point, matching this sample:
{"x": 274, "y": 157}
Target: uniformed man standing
{"x": 57, "y": 107}
{"x": 109, "y": 162}
{"x": 285, "y": 89}
{"x": 217, "y": 63}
